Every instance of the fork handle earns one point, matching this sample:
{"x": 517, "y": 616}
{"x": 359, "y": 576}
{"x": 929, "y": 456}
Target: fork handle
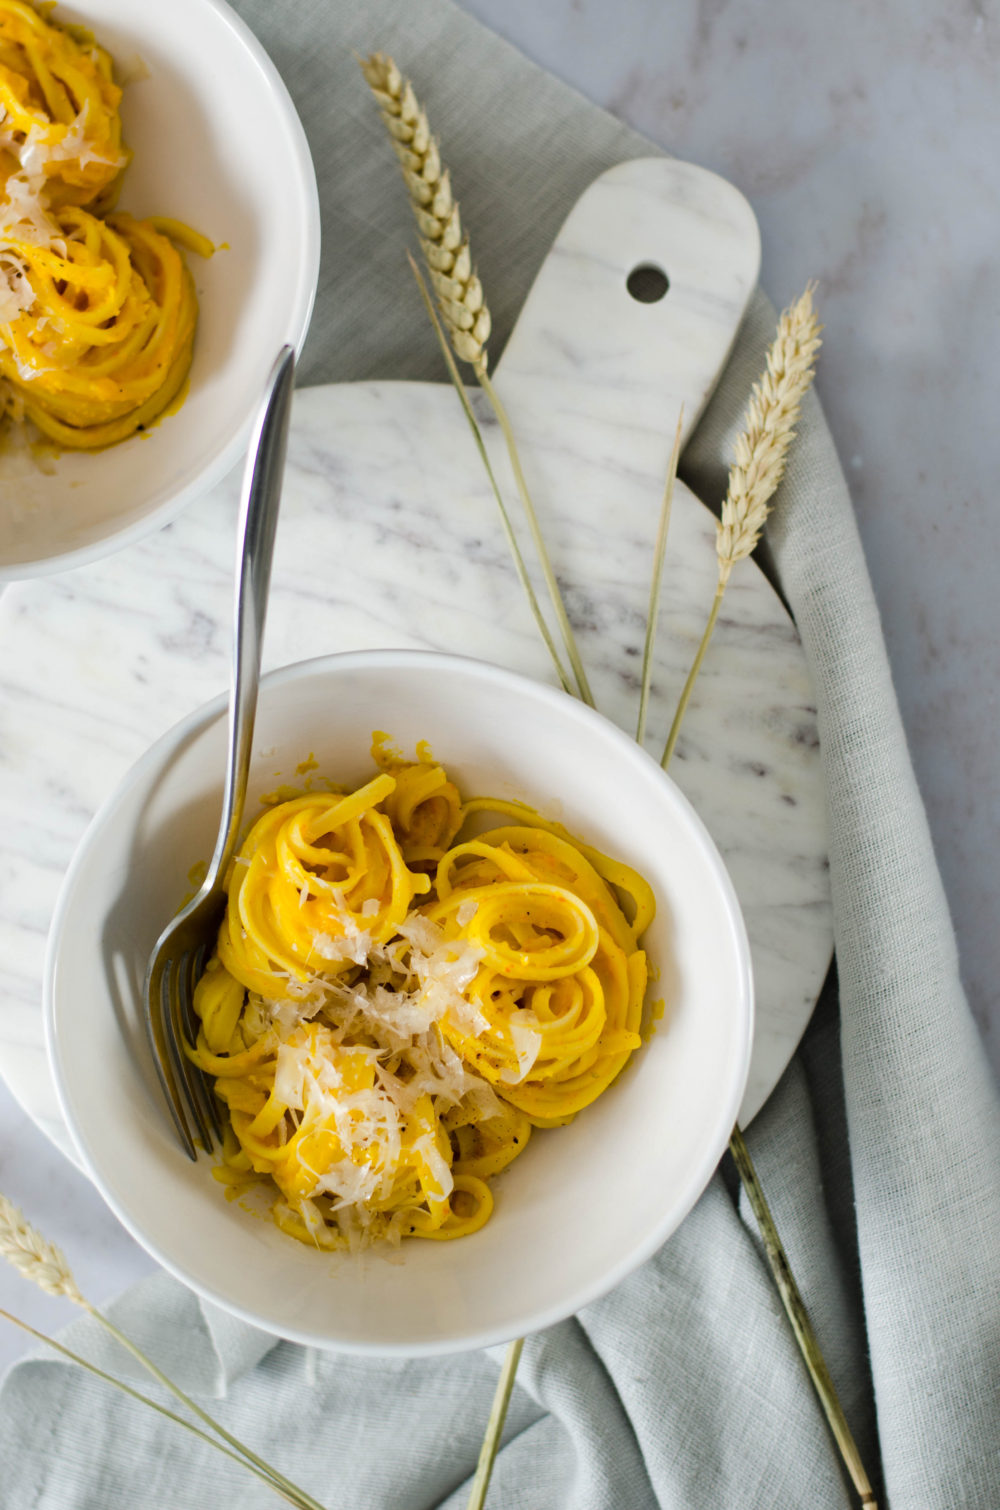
{"x": 261, "y": 497}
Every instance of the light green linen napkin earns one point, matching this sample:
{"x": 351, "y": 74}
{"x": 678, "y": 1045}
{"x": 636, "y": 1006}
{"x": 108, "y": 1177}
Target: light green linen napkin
{"x": 880, "y": 1150}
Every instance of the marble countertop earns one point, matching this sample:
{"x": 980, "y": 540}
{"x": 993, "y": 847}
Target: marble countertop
{"x": 862, "y": 140}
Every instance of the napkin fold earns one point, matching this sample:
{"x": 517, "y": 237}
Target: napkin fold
{"x": 880, "y": 1149}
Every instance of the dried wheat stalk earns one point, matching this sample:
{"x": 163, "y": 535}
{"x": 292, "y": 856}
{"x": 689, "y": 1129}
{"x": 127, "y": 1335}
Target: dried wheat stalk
{"x": 459, "y": 292}
{"x": 33, "y": 1256}
{"x": 659, "y": 551}
{"x": 768, "y": 430}
{"x": 45, "y": 1265}
{"x": 759, "y": 464}
{"x": 445, "y": 247}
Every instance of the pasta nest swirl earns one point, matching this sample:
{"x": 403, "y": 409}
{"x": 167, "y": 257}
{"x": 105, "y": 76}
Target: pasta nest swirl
{"x": 317, "y": 883}
{"x": 104, "y": 345}
{"x": 561, "y": 983}
{"x": 60, "y": 117}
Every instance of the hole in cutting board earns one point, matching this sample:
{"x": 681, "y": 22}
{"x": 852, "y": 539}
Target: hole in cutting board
{"x": 647, "y": 283}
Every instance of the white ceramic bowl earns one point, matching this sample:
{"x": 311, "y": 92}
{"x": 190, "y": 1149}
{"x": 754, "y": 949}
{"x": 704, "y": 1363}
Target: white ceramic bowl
{"x": 585, "y": 1204}
{"x": 216, "y": 143}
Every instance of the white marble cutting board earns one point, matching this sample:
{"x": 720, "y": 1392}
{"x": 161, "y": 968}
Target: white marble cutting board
{"x": 389, "y": 537}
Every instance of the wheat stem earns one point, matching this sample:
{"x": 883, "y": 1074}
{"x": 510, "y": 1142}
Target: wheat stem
{"x": 494, "y": 1427}
{"x": 659, "y": 551}
{"x": 136, "y": 1394}
{"x": 45, "y": 1265}
{"x": 759, "y": 464}
{"x": 515, "y": 549}
{"x": 798, "y": 1317}
{"x": 566, "y": 628}
{"x": 692, "y": 677}
{"x": 460, "y": 298}
{"x": 302, "y": 1498}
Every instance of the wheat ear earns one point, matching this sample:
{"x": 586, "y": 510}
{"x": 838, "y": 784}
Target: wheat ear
{"x": 445, "y": 247}
{"x": 768, "y": 431}
{"x": 34, "y": 1257}
{"x": 459, "y": 293}
{"x": 759, "y": 464}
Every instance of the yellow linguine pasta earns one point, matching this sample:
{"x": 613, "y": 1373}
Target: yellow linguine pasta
{"x": 60, "y": 109}
{"x": 122, "y": 302}
{"x": 392, "y": 1007}
{"x": 97, "y": 311}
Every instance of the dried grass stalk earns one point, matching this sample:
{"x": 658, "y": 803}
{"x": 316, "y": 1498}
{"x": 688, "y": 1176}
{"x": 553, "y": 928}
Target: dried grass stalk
{"x": 659, "y": 550}
{"x": 768, "y": 430}
{"x": 757, "y": 469}
{"x": 458, "y": 291}
{"x": 34, "y": 1257}
{"x": 494, "y": 1426}
{"x": 798, "y": 1317}
{"x": 442, "y": 241}
{"x": 45, "y": 1265}
{"x": 135, "y": 1394}
{"x": 759, "y": 464}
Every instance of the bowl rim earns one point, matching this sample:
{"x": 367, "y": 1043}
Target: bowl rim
{"x": 298, "y": 326}
{"x": 157, "y": 758}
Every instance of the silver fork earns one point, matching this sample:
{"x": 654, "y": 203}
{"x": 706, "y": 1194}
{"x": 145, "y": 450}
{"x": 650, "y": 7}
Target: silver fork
{"x": 185, "y": 944}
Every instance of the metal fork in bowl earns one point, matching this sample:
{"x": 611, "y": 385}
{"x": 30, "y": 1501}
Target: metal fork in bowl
{"x": 185, "y": 944}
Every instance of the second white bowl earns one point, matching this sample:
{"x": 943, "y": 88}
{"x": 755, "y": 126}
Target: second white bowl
{"x": 218, "y": 145}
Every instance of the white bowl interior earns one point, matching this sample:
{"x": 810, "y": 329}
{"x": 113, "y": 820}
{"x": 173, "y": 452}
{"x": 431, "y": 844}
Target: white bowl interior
{"x": 584, "y": 1204}
{"x": 217, "y": 144}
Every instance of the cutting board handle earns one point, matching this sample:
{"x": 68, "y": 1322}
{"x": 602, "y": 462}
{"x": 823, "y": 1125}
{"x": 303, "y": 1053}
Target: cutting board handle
{"x": 588, "y": 357}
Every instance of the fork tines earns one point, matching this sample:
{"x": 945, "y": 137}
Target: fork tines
{"x": 174, "y": 1029}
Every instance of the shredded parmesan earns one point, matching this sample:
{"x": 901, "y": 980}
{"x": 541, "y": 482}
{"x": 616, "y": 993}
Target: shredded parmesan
{"x": 45, "y": 144}
{"x": 444, "y": 967}
{"x": 388, "y": 1020}
{"x": 527, "y": 1041}
{"x": 22, "y": 208}
{"x": 16, "y": 293}
{"x": 353, "y": 944}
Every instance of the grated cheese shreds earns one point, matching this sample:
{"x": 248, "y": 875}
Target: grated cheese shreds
{"x": 367, "y": 1122}
{"x": 527, "y": 1041}
{"x": 22, "y": 210}
{"x": 444, "y": 967}
{"x": 54, "y": 143}
{"x": 352, "y": 943}
{"x": 39, "y": 148}
{"x": 389, "y": 1018}
{"x": 16, "y": 293}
